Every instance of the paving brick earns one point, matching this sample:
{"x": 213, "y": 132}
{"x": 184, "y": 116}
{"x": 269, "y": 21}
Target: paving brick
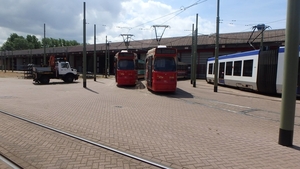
{"x": 195, "y": 127}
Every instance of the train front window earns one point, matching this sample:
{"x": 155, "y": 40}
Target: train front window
{"x": 125, "y": 65}
{"x": 164, "y": 64}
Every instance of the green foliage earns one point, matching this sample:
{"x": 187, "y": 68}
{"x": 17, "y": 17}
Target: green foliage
{"x": 50, "y": 42}
{"x": 16, "y": 42}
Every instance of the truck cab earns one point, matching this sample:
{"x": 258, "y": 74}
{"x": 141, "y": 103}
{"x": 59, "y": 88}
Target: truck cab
{"x": 64, "y": 68}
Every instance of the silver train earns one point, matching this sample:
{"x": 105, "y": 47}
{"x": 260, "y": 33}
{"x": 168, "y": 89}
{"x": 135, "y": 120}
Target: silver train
{"x": 256, "y": 70}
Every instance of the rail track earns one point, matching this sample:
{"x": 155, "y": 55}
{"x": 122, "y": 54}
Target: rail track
{"x": 15, "y": 166}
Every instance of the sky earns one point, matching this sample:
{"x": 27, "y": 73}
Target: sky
{"x": 64, "y": 18}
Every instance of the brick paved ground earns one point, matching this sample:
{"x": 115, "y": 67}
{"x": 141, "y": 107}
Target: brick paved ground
{"x": 194, "y": 128}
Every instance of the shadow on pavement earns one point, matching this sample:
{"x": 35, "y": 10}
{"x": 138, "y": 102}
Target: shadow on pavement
{"x": 55, "y": 83}
{"x": 179, "y": 93}
{"x": 139, "y": 85}
{"x": 91, "y": 90}
{"x": 295, "y": 147}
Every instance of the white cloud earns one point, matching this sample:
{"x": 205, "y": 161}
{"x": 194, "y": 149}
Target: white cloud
{"x": 137, "y": 17}
{"x": 64, "y": 19}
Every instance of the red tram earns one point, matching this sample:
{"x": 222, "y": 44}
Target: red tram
{"x": 125, "y": 72}
{"x": 161, "y": 73}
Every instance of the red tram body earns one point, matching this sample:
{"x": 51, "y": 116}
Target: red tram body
{"x": 125, "y": 72}
{"x": 161, "y": 73}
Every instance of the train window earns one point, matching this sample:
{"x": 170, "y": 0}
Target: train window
{"x": 237, "y": 68}
{"x": 228, "y": 68}
{"x": 126, "y": 65}
{"x": 247, "y": 69}
{"x": 164, "y": 64}
{"x": 210, "y": 68}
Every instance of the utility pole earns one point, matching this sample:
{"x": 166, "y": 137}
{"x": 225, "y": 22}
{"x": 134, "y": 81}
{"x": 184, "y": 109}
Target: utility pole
{"x": 195, "y": 52}
{"x": 192, "y": 56}
{"x": 217, "y": 50}
{"x": 288, "y": 104}
{"x": 84, "y": 48}
{"x": 12, "y": 61}
{"x": 1, "y": 61}
{"x": 31, "y": 56}
{"x": 108, "y": 60}
{"x": 94, "y": 52}
{"x": 5, "y": 61}
{"x": 106, "y": 53}
{"x": 44, "y": 44}
{"x": 126, "y": 38}
{"x": 158, "y": 38}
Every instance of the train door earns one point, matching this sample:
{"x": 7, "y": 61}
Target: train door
{"x": 221, "y": 72}
{"x": 149, "y": 71}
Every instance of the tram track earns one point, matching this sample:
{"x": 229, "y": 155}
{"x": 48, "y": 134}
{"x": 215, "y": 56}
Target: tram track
{"x": 237, "y": 109}
{"x": 9, "y": 163}
{"x": 143, "y": 160}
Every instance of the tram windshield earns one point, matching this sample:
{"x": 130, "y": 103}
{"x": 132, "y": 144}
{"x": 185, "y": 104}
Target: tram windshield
{"x": 164, "y": 64}
{"x": 126, "y": 65}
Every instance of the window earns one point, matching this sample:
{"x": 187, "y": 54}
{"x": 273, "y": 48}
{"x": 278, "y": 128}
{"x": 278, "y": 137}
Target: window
{"x": 164, "y": 64}
{"x": 210, "y": 68}
{"x": 228, "y": 68}
{"x": 237, "y": 68}
{"x": 64, "y": 65}
{"x": 125, "y": 65}
{"x": 247, "y": 69}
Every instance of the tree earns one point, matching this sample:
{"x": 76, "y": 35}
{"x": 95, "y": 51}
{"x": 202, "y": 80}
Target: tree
{"x": 20, "y": 43}
{"x": 33, "y": 41}
{"x": 50, "y": 42}
{"x": 16, "y": 42}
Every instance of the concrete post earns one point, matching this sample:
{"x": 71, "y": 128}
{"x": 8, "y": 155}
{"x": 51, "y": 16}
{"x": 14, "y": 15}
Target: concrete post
{"x": 290, "y": 73}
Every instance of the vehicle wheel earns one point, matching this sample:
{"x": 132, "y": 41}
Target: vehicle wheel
{"x": 69, "y": 78}
{"x": 45, "y": 80}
